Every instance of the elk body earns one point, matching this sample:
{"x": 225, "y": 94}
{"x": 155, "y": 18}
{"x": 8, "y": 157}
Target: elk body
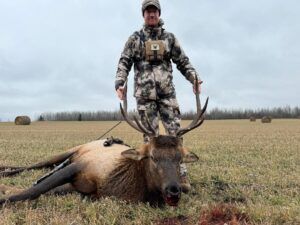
{"x": 148, "y": 174}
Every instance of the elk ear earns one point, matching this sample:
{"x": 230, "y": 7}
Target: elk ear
{"x": 133, "y": 154}
{"x": 190, "y": 157}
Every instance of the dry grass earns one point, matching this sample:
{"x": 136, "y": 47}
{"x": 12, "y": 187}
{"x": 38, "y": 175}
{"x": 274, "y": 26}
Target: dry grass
{"x": 254, "y": 167}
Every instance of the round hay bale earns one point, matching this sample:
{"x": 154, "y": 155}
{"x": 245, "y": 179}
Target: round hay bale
{"x": 252, "y": 119}
{"x": 266, "y": 119}
{"x": 22, "y": 120}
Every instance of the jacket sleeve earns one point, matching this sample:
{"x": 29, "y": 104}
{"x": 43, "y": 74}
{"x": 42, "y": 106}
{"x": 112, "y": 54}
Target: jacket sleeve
{"x": 125, "y": 62}
{"x": 182, "y": 61}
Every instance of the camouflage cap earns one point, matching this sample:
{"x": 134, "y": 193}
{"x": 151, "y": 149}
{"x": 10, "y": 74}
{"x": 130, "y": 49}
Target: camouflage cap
{"x": 147, "y": 3}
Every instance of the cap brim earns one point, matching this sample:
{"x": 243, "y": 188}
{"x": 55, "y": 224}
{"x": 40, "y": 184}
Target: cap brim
{"x": 151, "y": 4}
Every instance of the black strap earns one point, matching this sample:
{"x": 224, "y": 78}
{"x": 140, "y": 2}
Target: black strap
{"x": 110, "y": 141}
{"x": 57, "y": 168}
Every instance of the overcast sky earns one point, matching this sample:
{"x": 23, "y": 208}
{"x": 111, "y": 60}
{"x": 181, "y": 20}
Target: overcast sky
{"x": 61, "y": 55}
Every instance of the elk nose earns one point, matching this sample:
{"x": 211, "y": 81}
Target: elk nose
{"x": 173, "y": 189}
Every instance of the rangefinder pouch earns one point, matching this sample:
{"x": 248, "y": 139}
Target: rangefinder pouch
{"x": 154, "y": 50}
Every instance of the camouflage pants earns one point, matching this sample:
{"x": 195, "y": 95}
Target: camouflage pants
{"x": 165, "y": 108}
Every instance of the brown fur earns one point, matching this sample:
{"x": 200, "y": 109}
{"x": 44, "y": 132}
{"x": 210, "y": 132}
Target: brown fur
{"x": 131, "y": 180}
{"x": 126, "y": 181}
{"x": 163, "y": 141}
{"x": 168, "y": 146}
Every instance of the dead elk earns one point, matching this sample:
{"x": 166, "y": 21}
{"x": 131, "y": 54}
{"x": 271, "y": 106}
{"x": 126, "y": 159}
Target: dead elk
{"x": 148, "y": 174}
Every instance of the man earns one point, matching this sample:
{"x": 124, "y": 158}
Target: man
{"x": 151, "y": 50}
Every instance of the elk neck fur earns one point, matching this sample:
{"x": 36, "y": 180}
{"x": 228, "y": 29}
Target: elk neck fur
{"x": 131, "y": 180}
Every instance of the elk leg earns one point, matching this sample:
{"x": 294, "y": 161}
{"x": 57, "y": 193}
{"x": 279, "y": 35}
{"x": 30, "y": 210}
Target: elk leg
{"x": 11, "y": 171}
{"x": 62, "y": 190}
{"x": 6, "y": 171}
{"x": 59, "y": 178}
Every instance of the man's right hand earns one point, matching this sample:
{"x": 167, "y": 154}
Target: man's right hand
{"x": 120, "y": 93}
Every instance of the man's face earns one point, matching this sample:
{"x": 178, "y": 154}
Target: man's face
{"x": 151, "y": 16}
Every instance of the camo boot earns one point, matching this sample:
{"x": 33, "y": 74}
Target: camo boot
{"x": 184, "y": 179}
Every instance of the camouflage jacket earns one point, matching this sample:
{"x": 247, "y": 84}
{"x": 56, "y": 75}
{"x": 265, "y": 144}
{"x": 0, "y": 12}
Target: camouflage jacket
{"x": 152, "y": 81}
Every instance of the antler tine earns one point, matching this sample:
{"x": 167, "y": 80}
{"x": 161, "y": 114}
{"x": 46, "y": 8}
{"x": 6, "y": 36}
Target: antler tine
{"x": 136, "y": 126}
{"x": 182, "y": 132}
{"x": 145, "y": 131}
{"x": 124, "y": 110}
{"x": 192, "y": 126}
{"x": 198, "y": 104}
{"x": 125, "y": 116}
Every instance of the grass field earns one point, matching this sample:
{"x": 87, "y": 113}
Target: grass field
{"x": 252, "y": 166}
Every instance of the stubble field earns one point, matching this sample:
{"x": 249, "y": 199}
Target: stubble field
{"x": 250, "y": 166}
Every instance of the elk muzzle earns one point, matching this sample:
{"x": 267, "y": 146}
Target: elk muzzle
{"x": 172, "y": 193}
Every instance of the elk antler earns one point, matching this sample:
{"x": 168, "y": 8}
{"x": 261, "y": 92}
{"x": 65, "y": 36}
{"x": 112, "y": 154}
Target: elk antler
{"x": 199, "y": 118}
{"x": 137, "y": 125}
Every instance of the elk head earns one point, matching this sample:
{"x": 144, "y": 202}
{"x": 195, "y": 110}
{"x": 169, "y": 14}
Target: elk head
{"x": 164, "y": 154}
{"x": 161, "y": 159}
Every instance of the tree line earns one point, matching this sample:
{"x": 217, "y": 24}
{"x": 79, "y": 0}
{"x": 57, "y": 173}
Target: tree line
{"x": 214, "y": 114}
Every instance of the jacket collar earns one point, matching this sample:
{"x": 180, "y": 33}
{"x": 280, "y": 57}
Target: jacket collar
{"x": 154, "y": 32}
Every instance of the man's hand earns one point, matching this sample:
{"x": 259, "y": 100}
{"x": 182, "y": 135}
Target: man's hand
{"x": 199, "y": 86}
{"x": 120, "y": 93}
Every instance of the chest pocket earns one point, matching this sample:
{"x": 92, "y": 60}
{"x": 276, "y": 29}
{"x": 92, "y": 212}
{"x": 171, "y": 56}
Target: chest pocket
{"x": 154, "y": 50}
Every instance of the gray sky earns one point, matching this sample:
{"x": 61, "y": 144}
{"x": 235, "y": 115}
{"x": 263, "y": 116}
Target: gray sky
{"x": 62, "y": 55}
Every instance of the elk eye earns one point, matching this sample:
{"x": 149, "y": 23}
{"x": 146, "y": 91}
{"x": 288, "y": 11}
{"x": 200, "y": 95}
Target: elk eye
{"x": 153, "y": 159}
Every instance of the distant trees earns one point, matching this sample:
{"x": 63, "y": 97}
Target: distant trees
{"x": 277, "y": 112}
{"x": 41, "y": 118}
{"x": 214, "y": 114}
{"x": 82, "y": 116}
